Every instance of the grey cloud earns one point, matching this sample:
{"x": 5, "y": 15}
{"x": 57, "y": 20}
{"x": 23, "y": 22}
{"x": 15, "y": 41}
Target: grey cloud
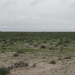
{"x": 69, "y": 3}
{"x": 63, "y": 2}
{"x": 35, "y": 2}
{"x": 72, "y": 5}
{"x": 8, "y": 3}
{"x": 40, "y": 15}
{"x": 71, "y": 24}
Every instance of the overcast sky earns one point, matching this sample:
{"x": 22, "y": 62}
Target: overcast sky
{"x": 37, "y": 15}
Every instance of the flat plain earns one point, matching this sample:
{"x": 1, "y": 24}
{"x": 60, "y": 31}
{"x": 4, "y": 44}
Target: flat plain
{"x": 37, "y": 53}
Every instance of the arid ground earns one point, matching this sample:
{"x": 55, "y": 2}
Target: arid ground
{"x": 38, "y": 53}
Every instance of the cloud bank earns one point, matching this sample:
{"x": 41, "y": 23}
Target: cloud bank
{"x": 37, "y": 15}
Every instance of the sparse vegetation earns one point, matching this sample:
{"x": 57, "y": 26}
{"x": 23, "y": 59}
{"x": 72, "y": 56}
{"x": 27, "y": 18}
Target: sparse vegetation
{"x": 22, "y": 50}
{"x": 34, "y": 65}
{"x": 52, "y": 62}
{"x": 19, "y": 64}
{"x": 15, "y": 54}
{"x": 43, "y": 46}
{"x": 4, "y": 71}
{"x": 35, "y": 45}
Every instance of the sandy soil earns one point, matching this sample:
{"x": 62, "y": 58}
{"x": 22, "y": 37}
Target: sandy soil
{"x": 43, "y": 67}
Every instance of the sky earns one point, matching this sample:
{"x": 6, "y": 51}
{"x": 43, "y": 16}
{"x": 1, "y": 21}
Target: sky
{"x": 37, "y": 15}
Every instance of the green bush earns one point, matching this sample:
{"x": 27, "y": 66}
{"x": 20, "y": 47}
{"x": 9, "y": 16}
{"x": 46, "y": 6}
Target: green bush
{"x": 44, "y": 41}
{"x": 51, "y": 43}
{"x": 15, "y": 54}
{"x": 67, "y": 57}
{"x": 43, "y": 46}
{"x": 35, "y": 45}
{"x": 4, "y": 71}
{"x": 52, "y": 62}
{"x": 21, "y": 64}
{"x": 51, "y": 48}
{"x": 20, "y": 51}
{"x": 30, "y": 43}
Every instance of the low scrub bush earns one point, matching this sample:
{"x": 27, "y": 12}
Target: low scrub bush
{"x": 30, "y": 43}
{"x": 52, "y": 62}
{"x": 51, "y": 48}
{"x": 51, "y": 43}
{"x": 67, "y": 57}
{"x": 20, "y": 51}
{"x": 15, "y": 54}
{"x": 45, "y": 42}
{"x": 43, "y": 46}
{"x": 35, "y": 45}
{"x": 20, "y": 64}
{"x": 34, "y": 65}
{"x": 4, "y": 71}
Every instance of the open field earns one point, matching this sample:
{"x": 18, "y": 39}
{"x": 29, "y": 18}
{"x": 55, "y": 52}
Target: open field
{"x": 37, "y": 53}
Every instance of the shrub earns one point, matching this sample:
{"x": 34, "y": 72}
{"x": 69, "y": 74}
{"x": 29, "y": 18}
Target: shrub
{"x": 34, "y": 65}
{"x": 4, "y": 71}
{"x": 45, "y": 42}
{"x": 57, "y": 44}
{"x": 30, "y": 43}
{"x": 11, "y": 42}
{"x": 43, "y": 46}
{"x": 67, "y": 41}
{"x": 20, "y": 51}
{"x": 39, "y": 43}
{"x": 51, "y": 43}
{"x": 35, "y": 45}
{"x": 21, "y": 64}
{"x": 51, "y": 48}
{"x": 67, "y": 57}
{"x": 26, "y": 64}
{"x": 15, "y": 54}
{"x": 52, "y": 62}
{"x": 10, "y": 67}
